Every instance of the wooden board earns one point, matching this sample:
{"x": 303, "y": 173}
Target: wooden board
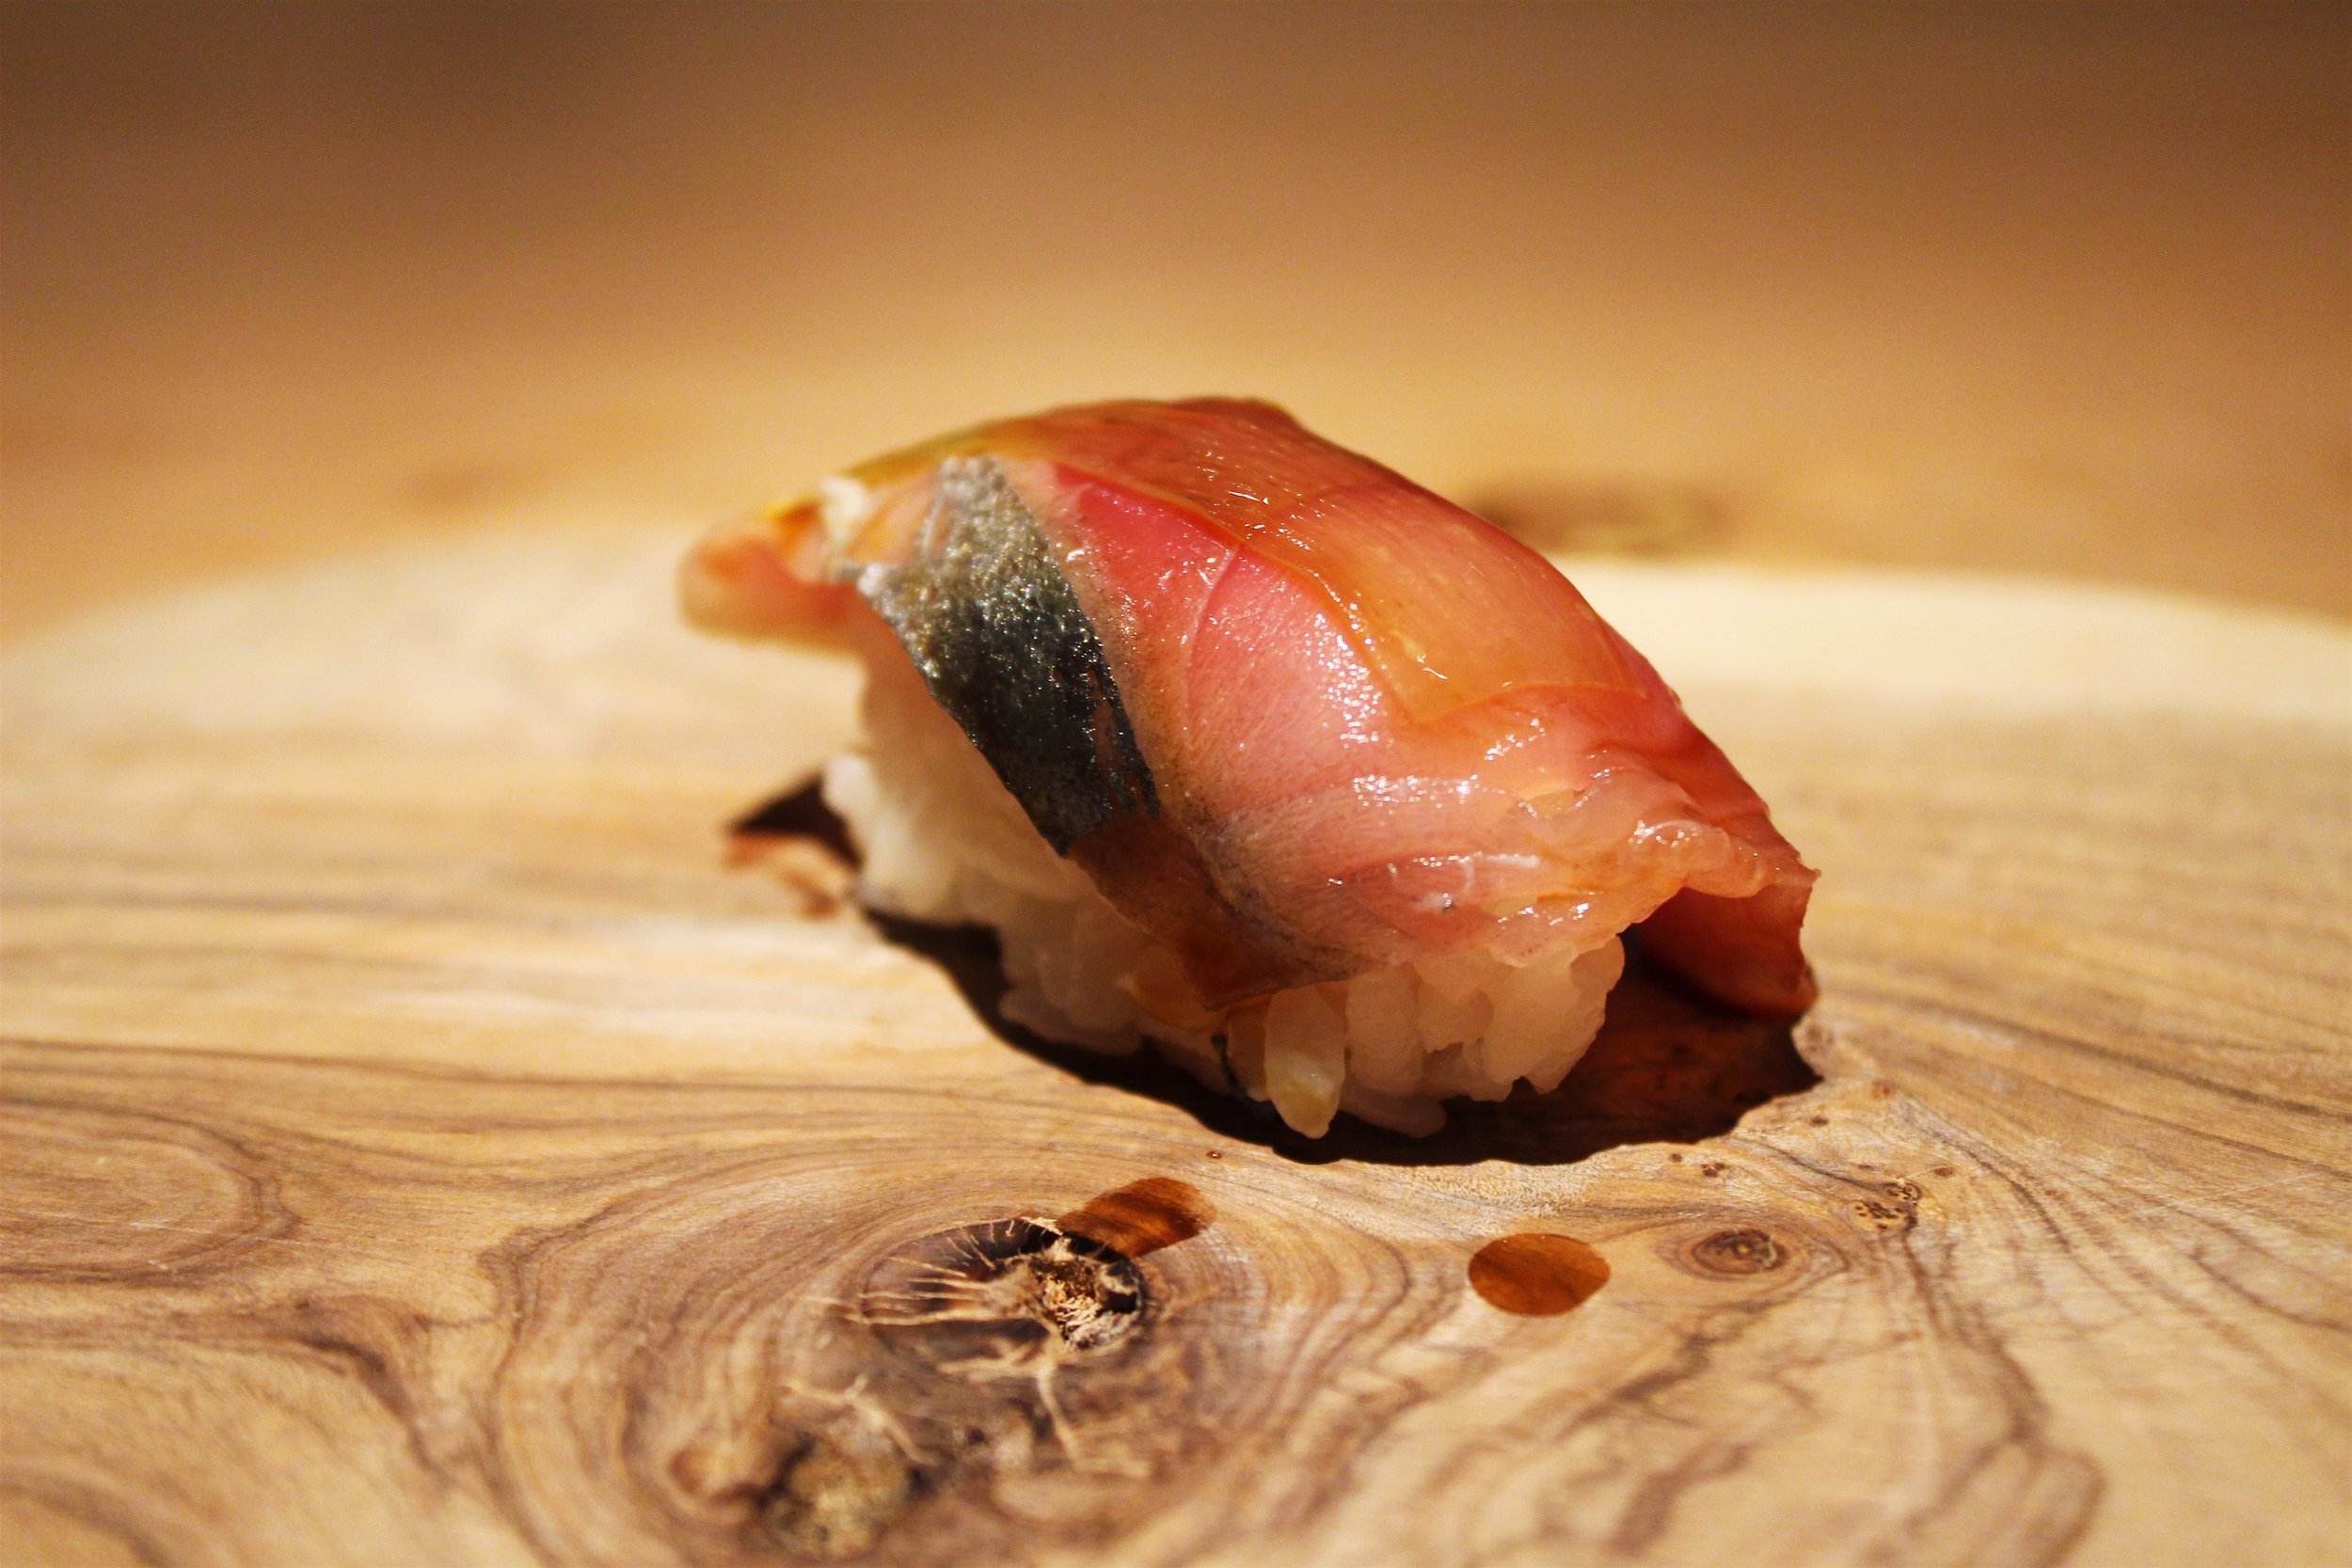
{"x": 430, "y": 1139}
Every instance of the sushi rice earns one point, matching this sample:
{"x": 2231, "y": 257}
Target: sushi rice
{"x": 943, "y": 841}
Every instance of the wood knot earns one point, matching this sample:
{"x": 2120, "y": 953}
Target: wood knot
{"x": 1535, "y": 1275}
{"x": 1744, "y": 1251}
{"x": 1898, "y": 1211}
{"x": 1010, "y": 1295}
{"x": 836, "y": 1491}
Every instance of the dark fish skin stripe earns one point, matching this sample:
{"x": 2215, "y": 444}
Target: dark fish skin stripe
{"x": 983, "y": 609}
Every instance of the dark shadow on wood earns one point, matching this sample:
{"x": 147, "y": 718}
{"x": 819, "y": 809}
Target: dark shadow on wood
{"x": 800, "y": 812}
{"x": 1668, "y": 1066}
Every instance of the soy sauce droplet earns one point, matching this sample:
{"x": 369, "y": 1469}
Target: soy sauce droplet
{"x": 1143, "y": 1216}
{"x": 1535, "y": 1275}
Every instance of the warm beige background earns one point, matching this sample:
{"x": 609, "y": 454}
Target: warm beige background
{"x": 2054, "y": 290}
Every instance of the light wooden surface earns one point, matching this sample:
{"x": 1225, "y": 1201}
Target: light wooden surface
{"x": 429, "y": 1139}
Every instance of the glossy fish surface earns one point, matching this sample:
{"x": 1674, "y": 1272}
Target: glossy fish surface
{"x": 1296, "y": 717}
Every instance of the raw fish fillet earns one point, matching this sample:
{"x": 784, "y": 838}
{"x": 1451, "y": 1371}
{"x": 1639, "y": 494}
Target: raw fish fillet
{"x": 1295, "y": 717}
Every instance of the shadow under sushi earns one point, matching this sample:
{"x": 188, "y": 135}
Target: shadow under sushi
{"x": 1668, "y": 1065}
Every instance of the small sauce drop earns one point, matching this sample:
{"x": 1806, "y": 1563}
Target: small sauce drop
{"x": 1142, "y": 1216}
{"x": 1538, "y": 1276}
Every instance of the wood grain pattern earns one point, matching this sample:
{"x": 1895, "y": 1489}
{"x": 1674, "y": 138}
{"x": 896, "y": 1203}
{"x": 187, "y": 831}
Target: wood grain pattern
{"x": 429, "y": 1140}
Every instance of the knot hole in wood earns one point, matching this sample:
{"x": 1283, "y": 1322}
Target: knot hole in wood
{"x": 1004, "y": 1297}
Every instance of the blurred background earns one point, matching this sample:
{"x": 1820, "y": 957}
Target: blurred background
{"x": 2059, "y": 290}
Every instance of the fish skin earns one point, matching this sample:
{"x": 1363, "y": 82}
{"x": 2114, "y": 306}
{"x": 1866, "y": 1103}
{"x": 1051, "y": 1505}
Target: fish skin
{"x": 1003, "y": 645}
{"x": 1373, "y": 727}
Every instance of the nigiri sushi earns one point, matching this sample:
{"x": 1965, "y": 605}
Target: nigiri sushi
{"x": 1252, "y": 749}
